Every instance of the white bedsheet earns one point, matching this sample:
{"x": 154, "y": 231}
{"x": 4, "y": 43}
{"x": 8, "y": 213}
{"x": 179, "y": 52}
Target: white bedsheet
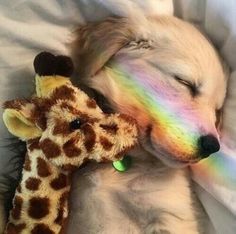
{"x": 28, "y": 27}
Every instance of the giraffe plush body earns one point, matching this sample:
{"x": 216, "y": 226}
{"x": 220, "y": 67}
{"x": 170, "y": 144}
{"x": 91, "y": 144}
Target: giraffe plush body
{"x": 62, "y": 128}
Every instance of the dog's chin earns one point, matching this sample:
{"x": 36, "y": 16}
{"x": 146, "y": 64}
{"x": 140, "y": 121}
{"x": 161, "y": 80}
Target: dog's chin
{"x": 167, "y": 158}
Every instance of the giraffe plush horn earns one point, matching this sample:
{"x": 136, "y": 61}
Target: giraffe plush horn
{"x": 51, "y": 72}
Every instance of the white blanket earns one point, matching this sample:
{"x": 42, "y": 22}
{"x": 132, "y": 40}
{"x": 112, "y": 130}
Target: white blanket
{"x": 28, "y": 27}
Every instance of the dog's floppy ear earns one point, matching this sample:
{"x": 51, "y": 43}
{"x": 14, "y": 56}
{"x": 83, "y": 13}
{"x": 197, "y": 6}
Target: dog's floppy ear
{"x": 97, "y": 42}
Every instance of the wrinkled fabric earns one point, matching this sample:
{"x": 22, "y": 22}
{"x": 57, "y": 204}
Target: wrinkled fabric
{"x": 28, "y": 27}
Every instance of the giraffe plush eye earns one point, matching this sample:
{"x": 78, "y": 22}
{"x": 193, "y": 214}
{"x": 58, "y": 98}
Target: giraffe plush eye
{"x": 76, "y": 124}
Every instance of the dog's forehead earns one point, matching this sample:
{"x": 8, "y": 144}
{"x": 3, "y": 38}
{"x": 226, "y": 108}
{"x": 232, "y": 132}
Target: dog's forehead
{"x": 180, "y": 49}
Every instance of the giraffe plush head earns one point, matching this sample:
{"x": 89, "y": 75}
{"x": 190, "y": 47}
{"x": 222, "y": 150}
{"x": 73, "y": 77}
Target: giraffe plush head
{"x": 67, "y": 125}
{"x": 62, "y": 128}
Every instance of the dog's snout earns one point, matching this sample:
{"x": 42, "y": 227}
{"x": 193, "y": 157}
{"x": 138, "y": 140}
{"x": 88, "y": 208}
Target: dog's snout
{"x": 208, "y": 145}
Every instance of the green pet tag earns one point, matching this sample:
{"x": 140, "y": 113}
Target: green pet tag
{"x": 123, "y": 164}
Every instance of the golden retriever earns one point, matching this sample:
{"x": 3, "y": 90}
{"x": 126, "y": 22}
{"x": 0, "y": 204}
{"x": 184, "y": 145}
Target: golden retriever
{"x": 167, "y": 75}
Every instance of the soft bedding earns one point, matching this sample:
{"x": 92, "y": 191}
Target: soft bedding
{"x": 28, "y": 27}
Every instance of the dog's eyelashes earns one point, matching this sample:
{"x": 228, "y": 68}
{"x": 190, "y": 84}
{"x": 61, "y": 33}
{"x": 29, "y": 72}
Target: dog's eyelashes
{"x": 180, "y": 80}
{"x": 192, "y": 87}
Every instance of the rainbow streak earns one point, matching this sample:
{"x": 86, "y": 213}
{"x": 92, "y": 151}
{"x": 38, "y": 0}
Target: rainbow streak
{"x": 143, "y": 88}
{"x": 220, "y": 168}
{"x": 217, "y": 174}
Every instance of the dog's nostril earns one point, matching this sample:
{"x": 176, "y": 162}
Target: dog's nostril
{"x": 208, "y": 145}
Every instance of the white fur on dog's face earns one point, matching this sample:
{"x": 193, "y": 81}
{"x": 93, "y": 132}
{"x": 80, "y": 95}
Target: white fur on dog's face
{"x": 165, "y": 74}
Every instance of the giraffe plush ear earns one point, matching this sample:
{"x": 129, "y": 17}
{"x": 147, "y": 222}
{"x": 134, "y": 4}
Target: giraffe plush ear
{"x": 18, "y": 120}
{"x": 51, "y": 72}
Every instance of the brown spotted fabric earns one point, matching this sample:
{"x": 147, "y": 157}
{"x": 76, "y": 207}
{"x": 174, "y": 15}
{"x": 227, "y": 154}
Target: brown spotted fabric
{"x": 17, "y": 206}
{"x": 38, "y": 207}
{"x": 60, "y": 182}
{"x": 43, "y": 168}
{"x": 32, "y": 183}
{"x": 71, "y": 130}
{"x": 42, "y": 229}
{"x": 50, "y": 148}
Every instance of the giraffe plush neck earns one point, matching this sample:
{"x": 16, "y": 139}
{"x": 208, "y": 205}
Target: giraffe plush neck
{"x": 62, "y": 128}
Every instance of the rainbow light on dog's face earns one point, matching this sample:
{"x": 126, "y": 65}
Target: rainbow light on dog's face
{"x": 159, "y": 101}
{"x": 215, "y": 174}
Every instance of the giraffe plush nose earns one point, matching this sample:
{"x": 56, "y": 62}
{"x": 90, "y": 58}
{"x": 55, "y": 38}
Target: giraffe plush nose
{"x": 208, "y": 145}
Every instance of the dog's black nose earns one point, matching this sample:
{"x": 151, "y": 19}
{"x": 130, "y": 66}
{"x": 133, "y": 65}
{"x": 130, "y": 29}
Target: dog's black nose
{"x": 208, "y": 145}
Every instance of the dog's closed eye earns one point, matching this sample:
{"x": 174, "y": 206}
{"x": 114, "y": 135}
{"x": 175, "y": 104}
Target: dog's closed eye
{"x": 192, "y": 87}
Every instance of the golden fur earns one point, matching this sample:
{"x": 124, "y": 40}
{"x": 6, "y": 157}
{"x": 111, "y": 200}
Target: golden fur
{"x": 152, "y": 197}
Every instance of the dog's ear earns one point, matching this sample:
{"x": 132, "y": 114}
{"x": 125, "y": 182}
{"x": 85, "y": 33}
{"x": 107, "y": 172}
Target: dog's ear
{"x": 97, "y": 42}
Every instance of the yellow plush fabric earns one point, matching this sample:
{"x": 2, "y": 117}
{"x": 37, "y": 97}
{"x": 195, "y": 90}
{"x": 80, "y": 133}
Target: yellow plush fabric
{"x": 19, "y": 125}
{"x": 48, "y": 83}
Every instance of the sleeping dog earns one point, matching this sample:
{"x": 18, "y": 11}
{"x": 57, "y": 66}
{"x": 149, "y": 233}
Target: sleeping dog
{"x": 167, "y": 75}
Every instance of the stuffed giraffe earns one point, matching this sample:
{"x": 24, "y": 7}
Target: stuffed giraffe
{"x": 62, "y": 128}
